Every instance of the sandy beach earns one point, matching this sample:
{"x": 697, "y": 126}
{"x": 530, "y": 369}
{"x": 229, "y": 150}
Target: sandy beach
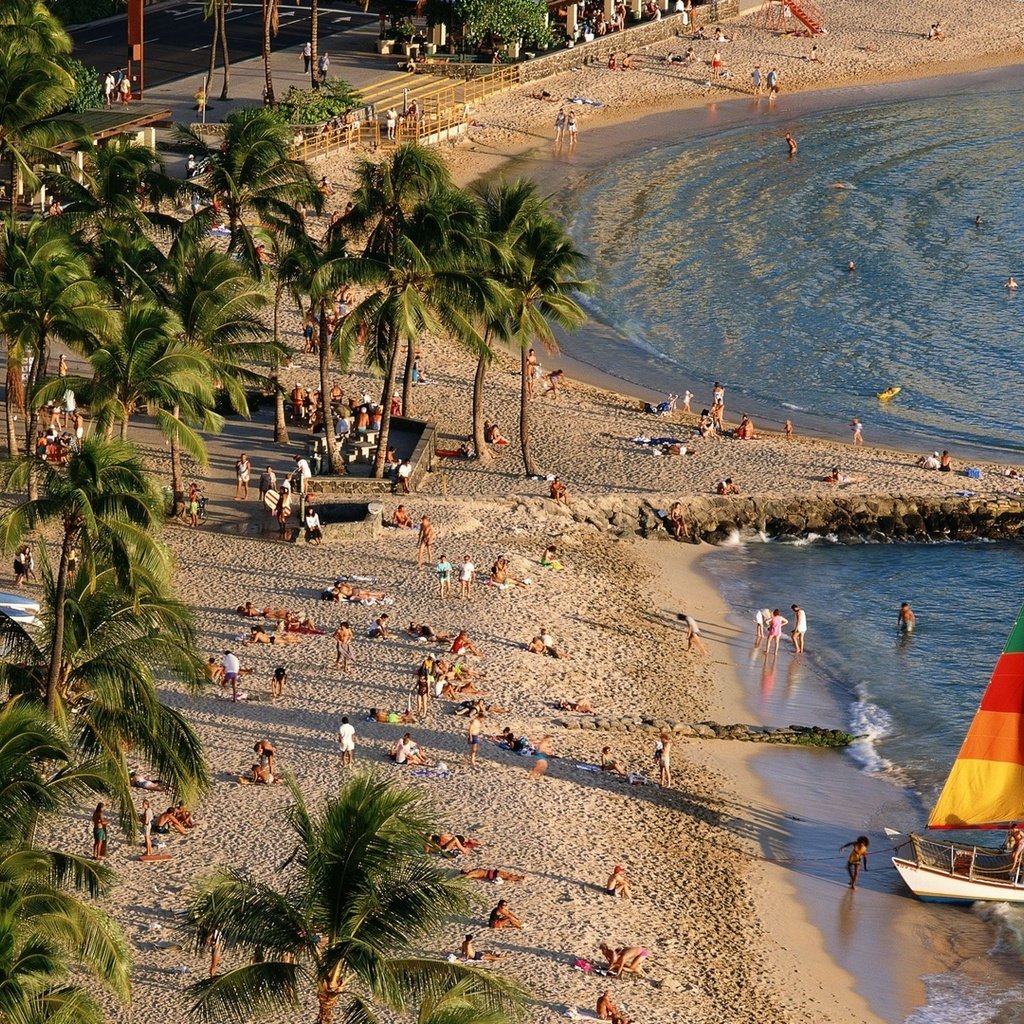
{"x": 727, "y": 939}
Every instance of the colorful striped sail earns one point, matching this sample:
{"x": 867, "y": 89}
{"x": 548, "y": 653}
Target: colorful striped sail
{"x": 986, "y": 784}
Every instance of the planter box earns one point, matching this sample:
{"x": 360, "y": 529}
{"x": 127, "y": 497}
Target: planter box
{"x": 385, "y": 46}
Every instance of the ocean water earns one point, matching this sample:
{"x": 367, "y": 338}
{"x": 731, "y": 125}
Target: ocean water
{"x": 718, "y": 258}
{"x": 911, "y": 697}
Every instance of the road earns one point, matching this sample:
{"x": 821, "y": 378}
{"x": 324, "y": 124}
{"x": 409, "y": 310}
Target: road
{"x": 177, "y": 39}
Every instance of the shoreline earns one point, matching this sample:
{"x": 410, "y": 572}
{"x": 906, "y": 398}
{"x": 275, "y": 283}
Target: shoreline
{"x": 790, "y": 901}
{"x": 686, "y": 119}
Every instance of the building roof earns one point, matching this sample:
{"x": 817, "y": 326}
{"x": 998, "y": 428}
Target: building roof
{"x": 105, "y": 123}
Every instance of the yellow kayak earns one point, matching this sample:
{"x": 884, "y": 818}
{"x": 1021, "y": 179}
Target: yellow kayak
{"x": 884, "y": 396}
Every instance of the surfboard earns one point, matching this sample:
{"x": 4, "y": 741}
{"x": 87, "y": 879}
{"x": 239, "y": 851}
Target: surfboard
{"x": 149, "y": 857}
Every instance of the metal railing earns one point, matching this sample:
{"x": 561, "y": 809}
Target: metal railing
{"x": 440, "y": 112}
{"x": 977, "y": 863}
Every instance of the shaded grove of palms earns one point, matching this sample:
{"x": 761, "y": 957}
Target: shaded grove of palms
{"x": 164, "y": 324}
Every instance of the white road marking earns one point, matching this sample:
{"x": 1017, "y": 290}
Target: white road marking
{"x": 98, "y": 39}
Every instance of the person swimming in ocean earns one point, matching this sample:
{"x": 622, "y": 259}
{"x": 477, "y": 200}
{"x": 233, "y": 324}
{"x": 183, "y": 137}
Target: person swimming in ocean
{"x": 851, "y": 267}
{"x": 1011, "y": 285}
{"x": 905, "y": 619}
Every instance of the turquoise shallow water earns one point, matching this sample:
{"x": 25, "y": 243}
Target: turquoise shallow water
{"x": 912, "y": 698}
{"x": 721, "y": 259}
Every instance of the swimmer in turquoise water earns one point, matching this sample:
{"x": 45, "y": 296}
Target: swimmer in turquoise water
{"x": 905, "y": 620}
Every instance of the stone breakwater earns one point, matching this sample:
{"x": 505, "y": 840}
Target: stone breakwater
{"x": 849, "y": 518}
{"x": 794, "y": 735}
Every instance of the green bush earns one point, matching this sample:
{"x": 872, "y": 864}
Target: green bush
{"x": 75, "y": 12}
{"x": 88, "y": 87}
{"x": 311, "y": 106}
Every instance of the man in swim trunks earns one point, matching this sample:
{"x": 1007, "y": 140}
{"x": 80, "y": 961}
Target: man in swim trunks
{"x": 608, "y": 1010}
{"x": 476, "y": 727}
{"x": 425, "y": 543}
{"x": 905, "y": 619}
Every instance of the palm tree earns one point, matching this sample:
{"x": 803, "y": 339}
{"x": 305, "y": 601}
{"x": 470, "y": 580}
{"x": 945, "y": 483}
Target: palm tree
{"x": 256, "y": 178}
{"x": 114, "y": 185}
{"x": 218, "y": 305}
{"x": 217, "y": 10}
{"x": 358, "y": 894}
{"x": 271, "y": 23}
{"x": 45, "y": 932}
{"x": 318, "y": 269}
{"x": 34, "y": 86}
{"x": 146, "y": 364}
{"x": 540, "y": 283}
{"x": 47, "y": 293}
{"x": 106, "y": 506}
{"x": 508, "y": 209}
{"x": 421, "y": 234}
{"x": 114, "y": 644}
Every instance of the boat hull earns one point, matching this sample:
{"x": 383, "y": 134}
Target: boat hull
{"x": 945, "y": 887}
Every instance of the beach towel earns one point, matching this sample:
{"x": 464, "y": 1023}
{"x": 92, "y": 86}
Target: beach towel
{"x": 582, "y": 101}
{"x": 439, "y": 771}
{"x": 588, "y": 767}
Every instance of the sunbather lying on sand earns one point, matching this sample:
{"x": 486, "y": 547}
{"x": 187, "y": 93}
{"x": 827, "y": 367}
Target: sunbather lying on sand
{"x": 250, "y": 611}
{"x": 139, "y": 781}
{"x": 452, "y": 690}
{"x": 342, "y": 591}
{"x": 450, "y": 842}
{"x": 470, "y": 952}
{"x": 491, "y": 874}
{"x": 584, "y": 707}
{"x": 392, "y": 717}
{"x": 423, "y": 631}
{"x": 306, "y": 627}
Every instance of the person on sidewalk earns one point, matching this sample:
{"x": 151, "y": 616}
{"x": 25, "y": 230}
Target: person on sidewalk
{"x": 307, "y": 57}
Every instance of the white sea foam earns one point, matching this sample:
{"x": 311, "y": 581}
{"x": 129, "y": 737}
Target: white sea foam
{"x": 955, "y": 997}
{"x": 871, "y": 723}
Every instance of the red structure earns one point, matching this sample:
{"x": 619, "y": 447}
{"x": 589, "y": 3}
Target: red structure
{"x": 136, "y": 35}
{"x": 776, "y": 15}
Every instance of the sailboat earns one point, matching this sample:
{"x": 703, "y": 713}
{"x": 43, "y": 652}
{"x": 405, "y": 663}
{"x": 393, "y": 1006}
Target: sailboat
{"x": 984, "y": 790}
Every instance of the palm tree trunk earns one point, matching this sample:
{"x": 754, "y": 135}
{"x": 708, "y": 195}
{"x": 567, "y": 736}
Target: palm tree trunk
{"x": 483, "y": 453}
{"x": 326, "y": 998}
{"x": 124, "y": 428}
{"x": 524, "y": 416}
{"x": 224, "y": 48}
{"x": 213, "y": 52}
{"x": 35, "y": 378}
{"x": 177, "y": 476}
{"x": 268, "y": 10}
{"x": 13, "y": 400}
{"x": 333, "y": 451}
{"x": 280, "y": 422}
{"x": 57, "y": 650}
{"x": 385, "y": 401}
{"x": 314, "y": 32}
{"x": 410, "y": 356}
